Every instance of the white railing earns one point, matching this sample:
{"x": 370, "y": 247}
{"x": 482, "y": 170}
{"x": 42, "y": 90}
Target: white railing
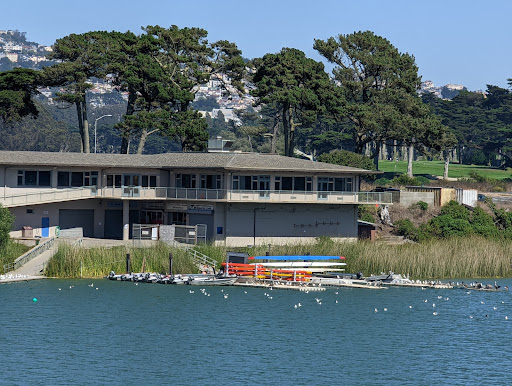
{"x": 49, "y": 195}
{"x": 26, "y": 257}
{"x": 166, "y": 193}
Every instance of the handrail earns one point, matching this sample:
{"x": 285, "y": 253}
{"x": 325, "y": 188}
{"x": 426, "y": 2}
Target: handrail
{"x": 26, "y": 257}
{"x": 202, "y": 259}
{"x": 200, "y": 194}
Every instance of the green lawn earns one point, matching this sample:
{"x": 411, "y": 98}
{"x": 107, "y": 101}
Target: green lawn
{"x": 436, "y": 168}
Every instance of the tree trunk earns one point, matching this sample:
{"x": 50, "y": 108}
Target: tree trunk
{"x": 87, "y": 144}
{"x": 274, "y": 135}
{"x": 286, "y": 130}
{"x": 291, "y": 138}
{"x": 446, "y": 154}
{"x": 130, "y": 109}
{"x": 142, "y": 142}
{"x": 409, "y": 162}
{"x": 80, "y": 125}
{"x": 395, "y": 150}
{"x": 376, "y": 154}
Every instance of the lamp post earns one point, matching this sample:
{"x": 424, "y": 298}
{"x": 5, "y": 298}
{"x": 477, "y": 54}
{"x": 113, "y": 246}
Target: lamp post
{"x": 95, "y": 126}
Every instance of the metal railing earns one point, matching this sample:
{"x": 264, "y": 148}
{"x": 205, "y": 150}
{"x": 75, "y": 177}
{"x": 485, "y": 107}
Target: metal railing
{"x": 166, "y": 193}
{"x": 201, "y": 260}
{"x": 26, "y": 257}
{"x": 51, "y": 195}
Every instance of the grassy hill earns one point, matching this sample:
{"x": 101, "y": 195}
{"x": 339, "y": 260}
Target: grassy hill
{"x": 436, "y": 168}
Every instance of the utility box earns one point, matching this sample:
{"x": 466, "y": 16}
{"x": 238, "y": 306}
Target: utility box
{"x": 237, "y": 258}
{"x": 27, "y": 232}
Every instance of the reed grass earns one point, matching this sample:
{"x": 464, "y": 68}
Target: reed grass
{"x": 469, "y": 257}
{"x": 10, "y": 252}
{"x": 71, "y": 262}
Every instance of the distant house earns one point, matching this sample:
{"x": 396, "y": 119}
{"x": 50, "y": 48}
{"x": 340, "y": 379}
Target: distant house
{"x": 241, "y": 198}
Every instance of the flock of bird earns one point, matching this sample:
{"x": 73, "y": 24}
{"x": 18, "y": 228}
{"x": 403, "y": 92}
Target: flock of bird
{"x": 318, "y": 301}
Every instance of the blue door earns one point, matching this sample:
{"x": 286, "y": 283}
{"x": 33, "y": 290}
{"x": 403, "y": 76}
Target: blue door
{"x": 45, "y": 227}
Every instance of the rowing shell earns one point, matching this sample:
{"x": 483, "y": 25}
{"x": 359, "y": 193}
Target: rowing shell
{"x": 301, "y": 264}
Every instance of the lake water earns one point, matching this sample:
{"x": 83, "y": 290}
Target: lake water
{"x": 123, "y": 333}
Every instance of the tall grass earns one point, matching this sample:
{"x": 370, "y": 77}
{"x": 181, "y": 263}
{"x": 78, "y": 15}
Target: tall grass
{"x": 10, "y": 252}
{"x": 469, "y": 257}
{"x": 98, "y": 262}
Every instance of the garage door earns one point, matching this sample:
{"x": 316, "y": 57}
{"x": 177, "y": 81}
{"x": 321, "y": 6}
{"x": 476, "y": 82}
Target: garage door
{"x": 77, "y": 218}
{"x": 113, "y": 224}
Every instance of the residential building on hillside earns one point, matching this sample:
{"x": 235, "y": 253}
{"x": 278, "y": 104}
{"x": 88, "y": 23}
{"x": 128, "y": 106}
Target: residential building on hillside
{"x": 242, "y": 198}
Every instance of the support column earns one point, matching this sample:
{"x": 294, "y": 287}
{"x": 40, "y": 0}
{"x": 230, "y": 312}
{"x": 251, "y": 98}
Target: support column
{"x": 126, "y": 219}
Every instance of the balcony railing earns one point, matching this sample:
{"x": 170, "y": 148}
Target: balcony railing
{"x": 163, "y": 193}
{"x": 48, "y": 195}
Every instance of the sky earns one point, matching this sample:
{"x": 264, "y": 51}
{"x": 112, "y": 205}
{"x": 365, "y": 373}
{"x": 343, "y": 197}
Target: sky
{"x": 459, "y": 42}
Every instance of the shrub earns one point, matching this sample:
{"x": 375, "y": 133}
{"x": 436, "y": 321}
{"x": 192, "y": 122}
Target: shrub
{"x": 447, "y": 226}
{"x": 422, "y": 180}
{"x": 421, "y": 205}
{"x": 407, "y": 229}
{"x": 382, "y": 182}
{"x": 366, "y": 213}
{"x": 455, "y": 210}
{"x": 348, "y": 158}
{"x": 6, "y": 221}
{"x": 405, "y": 180}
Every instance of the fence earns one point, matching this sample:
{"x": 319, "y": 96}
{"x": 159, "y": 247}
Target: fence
{"x": 34, "y": 252}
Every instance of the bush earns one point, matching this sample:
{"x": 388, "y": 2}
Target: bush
{"x": 382, "y": 182}
{"x": 407, "y": 229}
{"x": 447, "y": 226}
{"x": 420, "y": 205}
{"x": 456, "y": 211}
{"x": 6, "y": 221}
{"x": 422, "y": 180}
{"x": 347, "y": 158}
{"x": 405, "y": 180}
{"x": 366, "y": 213}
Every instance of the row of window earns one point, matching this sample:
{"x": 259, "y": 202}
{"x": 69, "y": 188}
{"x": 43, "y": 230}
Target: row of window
{"x": 64, "y": 179}
{"x": 118, "y": 180}
{"x": 207, "y": 181}
{"x": 301, "y": 184}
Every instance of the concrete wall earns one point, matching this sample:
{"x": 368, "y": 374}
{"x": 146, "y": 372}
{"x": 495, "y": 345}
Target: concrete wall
{"x": 409, "y": 198}
{"x": 22, "y": 218}
{"x": 248, "y": 224}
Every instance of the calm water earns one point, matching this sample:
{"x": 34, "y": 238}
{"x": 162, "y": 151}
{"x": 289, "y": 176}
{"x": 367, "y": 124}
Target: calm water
{"x": 124, "y": 333}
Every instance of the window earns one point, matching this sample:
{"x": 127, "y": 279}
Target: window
{"x": 77, "y": 179}
{"x": 30, "y": 177}
{"x": 152, "y": 181}
{"x": 45, "y": 178}
{"x": 343, "y": 184}
{"x": 210, "y": 181}
{"x": 114, "y": 180}
{"x": 185, "y": 180}
{"x": 34, "y": 178}
{"x": 63, "y": 179}
{"x": 293, "y": 183}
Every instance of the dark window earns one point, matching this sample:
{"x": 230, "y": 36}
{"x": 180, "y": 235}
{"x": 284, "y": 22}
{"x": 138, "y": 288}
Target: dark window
{"x": 299, "y": 183}
{"x": 145, "y": 181}
{"x": 63, "y": 179}
{"x": 287, "y": 183}
{"x": 117, "y": 180}
{"x": 30, "y": 177}
{"x": 110, "y": 180}
{"x": 45, "y": 178}
{"x": 77, "y": 178}
{"x": 152, "y": 181}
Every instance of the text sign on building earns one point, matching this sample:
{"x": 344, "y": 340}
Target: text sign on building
{"x": 176, "y": 207}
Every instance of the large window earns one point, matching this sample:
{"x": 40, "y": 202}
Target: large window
{"x": 251, "y": 182}
{"x": 77, "y": 179}
{"x": 185, "y": 180}
{"x": 211, "y": 181}
{"x": 114, "y": 180}
{"x": 300, "y": 184}
{"x": 34, "y": 177}
{"x": 343, "y": 184}
{"x": 149, "y": 181}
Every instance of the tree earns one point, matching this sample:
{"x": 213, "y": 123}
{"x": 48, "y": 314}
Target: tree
{"x": 295, "y": 85}
{"x": 17, "y": 87}
{"x": 163, "y": 68}
{"x": 377, "y": 86}
{"x": 82, "y": 57}
{"x": 6, "y": 221}
{"x": 347, "y": 158}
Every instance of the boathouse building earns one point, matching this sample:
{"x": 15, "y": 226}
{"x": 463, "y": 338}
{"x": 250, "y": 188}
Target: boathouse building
{"x": 242, "y": 198}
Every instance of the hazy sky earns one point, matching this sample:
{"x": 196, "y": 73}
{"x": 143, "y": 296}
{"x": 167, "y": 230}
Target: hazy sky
{"x": 454, "y": 41}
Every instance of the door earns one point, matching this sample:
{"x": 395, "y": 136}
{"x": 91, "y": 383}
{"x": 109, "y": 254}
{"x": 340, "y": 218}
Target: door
{"x": 45, "y": 227}
{"x": 77, "y": 218}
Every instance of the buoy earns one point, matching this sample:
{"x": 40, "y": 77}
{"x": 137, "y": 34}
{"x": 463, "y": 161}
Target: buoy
{"x": 34, "y": 300}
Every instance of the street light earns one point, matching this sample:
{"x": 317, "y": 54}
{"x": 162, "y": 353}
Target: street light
{"x": 95, "y": 125}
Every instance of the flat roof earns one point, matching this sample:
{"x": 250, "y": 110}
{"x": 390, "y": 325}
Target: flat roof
{"x": 226, "y": 161}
